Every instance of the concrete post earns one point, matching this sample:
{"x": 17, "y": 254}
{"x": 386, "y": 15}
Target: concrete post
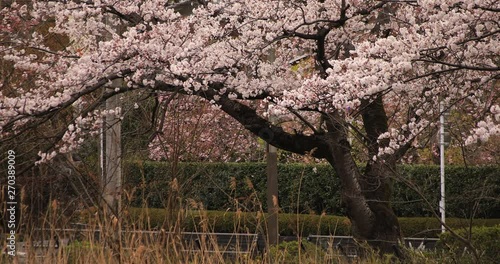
{"x": 111, "y": 172}
{"x": 272, "y": 194}
{"x": 442, "y": 202}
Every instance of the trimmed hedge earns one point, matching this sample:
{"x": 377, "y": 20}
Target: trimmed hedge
{"x": 470, "y": 191}
{"x": 289, "y": 224}
{"x": 486, "y": 240}
{"x": 307, "y": 188}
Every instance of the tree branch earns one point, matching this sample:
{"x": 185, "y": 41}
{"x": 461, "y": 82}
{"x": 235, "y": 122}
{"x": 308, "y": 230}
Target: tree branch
{"x": 248, "y": 117}
{"x": 45, "y": 114}
{"x": 461, "y": 66}
{"x": 307, "y": 123}
{"x": 375, "y": 123}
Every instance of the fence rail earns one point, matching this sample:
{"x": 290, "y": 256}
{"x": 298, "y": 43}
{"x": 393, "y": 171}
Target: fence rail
{"x": 227, "y": 244}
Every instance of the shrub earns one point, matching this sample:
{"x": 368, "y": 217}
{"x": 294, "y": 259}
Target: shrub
{"x": 295, "y": 252}
{"x": 470, "y": 191}
{"x": 289, "y": 224}
{"x": 305, "y": 188}
{"x": 431, "y": 227}
{"x": 486, "y": 240}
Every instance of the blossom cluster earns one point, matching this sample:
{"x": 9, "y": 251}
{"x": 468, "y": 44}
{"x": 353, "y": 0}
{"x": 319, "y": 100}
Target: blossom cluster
{"x": 195, "y": 130}
{"x": 413, "y": 54}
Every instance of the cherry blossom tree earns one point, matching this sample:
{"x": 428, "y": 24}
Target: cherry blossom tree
{"x": 191, "y": 129}
{"x": 380, "y": 71}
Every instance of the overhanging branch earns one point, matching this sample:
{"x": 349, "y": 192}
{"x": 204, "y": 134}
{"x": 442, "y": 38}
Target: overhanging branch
{"x": 253, "y": 122}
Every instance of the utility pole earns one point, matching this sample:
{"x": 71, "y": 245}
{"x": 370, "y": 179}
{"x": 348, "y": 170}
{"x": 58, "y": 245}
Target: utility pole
{"x": 272, "y": 194}
{"x": 272, "y": 180}
{"x": 442, "y": 145}
{"x": 111, "y": 175}
{"x": 111, "y": 152}
{"x": 272, "y": 189}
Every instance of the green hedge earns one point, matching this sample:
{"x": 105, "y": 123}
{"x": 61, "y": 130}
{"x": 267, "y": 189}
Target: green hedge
{"x": 289, "y": 224}
{"x": 308, "y": 188}
{"x": 470, "y": 191}
{"x": 485, "y": 239}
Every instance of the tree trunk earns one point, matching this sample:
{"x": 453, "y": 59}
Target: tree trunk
{"x": 366, "y": 198}
{"x": 377, "y": 190}
{"x": 365, "y": 195}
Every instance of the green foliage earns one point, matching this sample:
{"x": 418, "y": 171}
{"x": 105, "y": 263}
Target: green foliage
{"x": 431, "y": 227}
{"x": 304, "y": 225}
{"x": 76, "y": 250}
{"x": 305, "y": 188}
{"x": 228, "y": 222}
{"x": 295, "y": 252}
{"x": 289, "y": 224}
{"x": 470, "y": 191}
{"x": 485, "y": 239}
{"x": 223, "y": 186}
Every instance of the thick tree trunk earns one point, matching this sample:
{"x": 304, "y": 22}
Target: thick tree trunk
{"x": 366, "y": 198}
{"x": 377, "y": 190}
{"x": 366, "y": 195}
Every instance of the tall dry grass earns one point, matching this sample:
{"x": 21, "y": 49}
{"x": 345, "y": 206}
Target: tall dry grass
{"x": 102, "y": 237}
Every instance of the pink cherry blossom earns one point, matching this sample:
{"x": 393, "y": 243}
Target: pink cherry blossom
{"x": 305, "y": 76}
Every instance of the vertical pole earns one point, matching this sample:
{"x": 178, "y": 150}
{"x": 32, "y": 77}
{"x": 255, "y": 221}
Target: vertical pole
{"x": 442, "y": 164}
{"x": 111, "y": 177}
{"x": 272, "y": 194}
{"x": 102, "y": 153}
{"x": 112, "y": 156}
{"x": 272, "y": 181}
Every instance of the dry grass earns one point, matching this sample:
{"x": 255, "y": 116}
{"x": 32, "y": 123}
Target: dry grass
{"x": 105, "y": 238}
{"x": 100, "y": 241}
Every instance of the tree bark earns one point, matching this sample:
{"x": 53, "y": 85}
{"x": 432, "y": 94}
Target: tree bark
{"x": 377, "y": 190}
{"x": 365, "y": 195}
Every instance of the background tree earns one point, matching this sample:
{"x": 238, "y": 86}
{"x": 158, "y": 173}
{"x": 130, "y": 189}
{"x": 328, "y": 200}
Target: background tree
{"x": 380, "y": 70}
{"x": 192, "y": 129}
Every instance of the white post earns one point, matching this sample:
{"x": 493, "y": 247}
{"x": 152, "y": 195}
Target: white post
{"x": 442, "y": 205}
{"x": 112, "y": 179}
{"x": 272, "y": 181}
{"x": 272, "y": 192}
{"x": 111, "y": 152}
